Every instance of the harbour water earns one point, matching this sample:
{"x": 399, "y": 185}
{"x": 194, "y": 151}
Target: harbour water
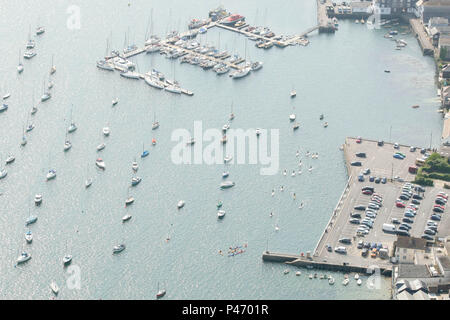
{"x": 341, "y": 76}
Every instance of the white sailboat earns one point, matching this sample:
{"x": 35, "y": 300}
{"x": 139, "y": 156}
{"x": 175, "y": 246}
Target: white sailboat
{"x": 20, "y": 65}
{"x": 52, "y": 68}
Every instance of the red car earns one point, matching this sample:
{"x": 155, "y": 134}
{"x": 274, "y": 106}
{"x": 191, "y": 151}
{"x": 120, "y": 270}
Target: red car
{"x": 358, "y": 140}
{"x": 367, "y": 192}
{"x": 438, "y": 206}
{"x": 400, "y": 204}
{"x": 442, "y": 196}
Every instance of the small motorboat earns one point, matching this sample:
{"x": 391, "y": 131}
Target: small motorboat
{"x": 6, "y": 96}
{"x": 321, "y": 117}
{"x": 24, "y": 141}
{"x": 126, "y": 217}
{"x": 331, "y": 281}
{"x": 258, "y": 132}
{"x": 54, "y": 287}
{"x": 298, "y": 273}
{"x": 220, "y": 214}
{"x": 100, "y": 163}
{"x": 101, "y": 146}
{"x": 295, "y": 126}
{"x": 286, "y": 271}
{"x": 38, "y": 199}
{"x": 20, "y": 68}
{"x": 67, "y": 145}
{"x": 227, "y": 184}
{"x": 106, "y": 131}
{"x": 10, "y": 159}
{"x": 51, "y": 174}
{"x": 118, "y": 248}
{"x": 134, "y": 166}
{"x": 293, "y": 93}
{"x": 325, "y": 124}
{"x": 67, "y": 259}
{"x": 292, "y": 117}
{"x": 144, "y": 153}
{"x": 29, "y": 236}
{"x": 225, "y": 127}
{"x": 227, "y": 159}
{"x": 33, "y": 110}
{"x": 50, "y": 85}
{"x": 359, "y": 282}
{"x": 415, "y": 107}
{"x": 129, "y": 201}
{"x": 190, "y": 142}
{"x": 310, "y": 276}
{"x": 345, "y": 282}
{"x": 24, "y": 257}
{"x": 30, "y": 220}
{"x": 180, "y": 204}
{"x": 88, "y": 183}
{"x": 3, "y": 107}
{"x": 40, "y": 30}
{"x": 225, "y": 174}
{"x": 46, "y": 96}
{"x": 115, "y": 101}
{"x": 30, "y": 127}
{"x": 387, "y": 71}
{"x": 155, "y": 125}
{"x": 219, "y": 204}
{"x": 356, "y": 276}
{"x": 135, "y": 181}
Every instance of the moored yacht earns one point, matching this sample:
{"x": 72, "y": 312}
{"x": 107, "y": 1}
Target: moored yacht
{"x": 227, "y": 184}
{"x": 29, "y": 236}
{"x": 135, "y": 181}
{"x": 10, "y": 159}
{"x": 24, "y": 257}
{"x": 180, "y": 204}
{"x": 119, "y": 248}
{"x": 67, "y": 259}
{"x": 67, "y": 145}
{"x": 38, "y": 199}
{"x": 100, "y": 163}
{"x": 51, "y": 174}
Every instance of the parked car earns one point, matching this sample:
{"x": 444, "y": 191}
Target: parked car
{"x": 329, "y": 248}
{"x": 404, "y": 197}
{"x": 403, "y": 233}
{"x": 398, "y": 156}
{"x": 430, "y": 232}
{"x": 399, "y": 204}
{"x": 396, "y": 146}
{"x": 383, "y": 180}
{"x": 354, "y": 221}
{"x": 380, "y": 143}
{"x": 412, "y": 149}
{"x": 368, "y": 188}
{"x": 366, "y": 171}
{"x": 427, "y": 237}
{"x": 415, "y": 201}
{"x": 361, "y": 155}
{"x": 342, "y": 250}
{"x": 360, "y": 244}
{"x": 371, "y": 178}
{"x": 364, "y": 252}
{"x": 407, "y": 220}
{"x": 367, "y": 192}
{"x": 373, "y": 206}
{"x": 395, "y": 221}
{"x": 356, "y": 164}
{"x": 419, "y": 189}
{"x": 437, "y": 209}
{"x": 361, "y": 178}
{"x": 439, "y": 201}
{"x": 358, "y": 140}
{"x": 435, "y": 217}
{"x": 409, "y": 215}
{"x": 345, "y": 240}
{"x": 378, "y": 180}
{"x": 423, "y": 150}
{"x": 355, "y": 215}
{"x": 417, "y": 196}
{"x": 360, "y": 208}
{"x": 408, "y": 226}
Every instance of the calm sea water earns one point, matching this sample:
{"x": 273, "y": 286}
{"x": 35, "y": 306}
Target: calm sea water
{"x": 341, "y": 76}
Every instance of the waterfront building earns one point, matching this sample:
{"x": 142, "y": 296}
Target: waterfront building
{"x": 444, "y": 47}
{"x": 395, "y": 7}
{"x": 406, "y": 248}
{"x": 427, "y": 9}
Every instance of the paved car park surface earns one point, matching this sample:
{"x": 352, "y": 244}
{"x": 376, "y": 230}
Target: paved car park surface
{"x": 380, "y": 161}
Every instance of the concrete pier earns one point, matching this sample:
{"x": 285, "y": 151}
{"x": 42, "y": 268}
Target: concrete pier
{"x": 422, "y": 37}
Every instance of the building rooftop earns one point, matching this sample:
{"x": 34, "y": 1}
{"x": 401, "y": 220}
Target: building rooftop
{"x": 360, "y": 4}
{"x": 411, "y": 242}
{"x": 445, "y": 262}
{"x": 444, "y": 41}
{"x": 436, "y": 3}
{"x": 438, "y": 20}
{"x": 410, "y": 271}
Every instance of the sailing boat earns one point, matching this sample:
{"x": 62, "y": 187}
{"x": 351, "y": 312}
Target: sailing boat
{"x": 292, "y": 115}
{"x": 67, "y": 144}
{"x": 88, "y": 181}
{"x": 67, "y": 258}
{"x": 129, "y": 199}
{"x": 144, "y": 152}
{"x": 155, "y": 124}
{"x": 24, "y": 138}
{"x": 135, "y": 165}
{"x": 53, "y": 68}
{"x": 20, "y": 65}
{"x": 231, "y": 114}
{"x": 173, "y": 85}
{"x": 72, "y": 126}
{"x": 3, "y": 172}
{"x": 293, "y": 93}
{"x": 46, "y": 95}
{"x": 160, "y": 293}
{"x": 34, "y": 109}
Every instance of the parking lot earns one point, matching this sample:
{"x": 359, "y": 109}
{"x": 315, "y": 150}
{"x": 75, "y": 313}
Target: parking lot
{"x": 380, "y": 161}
